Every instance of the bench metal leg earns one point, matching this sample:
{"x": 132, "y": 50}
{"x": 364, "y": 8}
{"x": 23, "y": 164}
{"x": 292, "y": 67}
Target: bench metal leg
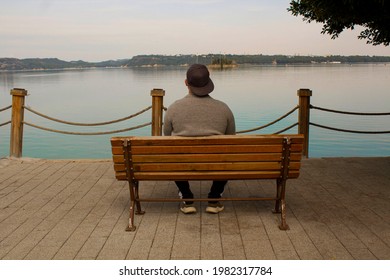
{"x": 131, "y": 226}
{"x": 283, "y": 224}
{"x": 280, "y": 203}
{"x": 134, "y": 203}
{"x": 133, "y": 185}
{"x": 137, "y": 202}
{"x": 277, "y": 209}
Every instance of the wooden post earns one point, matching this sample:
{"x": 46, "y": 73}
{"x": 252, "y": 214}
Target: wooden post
{"x": 16, "y": 137}
{"x": 157, "y": 111}
{"x": 304, "y": 117}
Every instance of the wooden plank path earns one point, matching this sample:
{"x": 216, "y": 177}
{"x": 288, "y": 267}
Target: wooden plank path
{"x": 339, "y": 208}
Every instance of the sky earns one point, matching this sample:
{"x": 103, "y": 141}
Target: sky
{"x": 98, "y": 30}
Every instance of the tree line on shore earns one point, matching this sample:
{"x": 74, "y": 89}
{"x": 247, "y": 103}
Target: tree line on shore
{"x": 12, "y": 64}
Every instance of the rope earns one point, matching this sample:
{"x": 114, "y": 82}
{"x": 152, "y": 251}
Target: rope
{"x": 350, "y": 131}
{"x": 87, "y": 133}
{"x": 5, "y": 108}
{"x": 287, "y": 128}
{"x": 2, "y": 124}
{"x": 349, "y": 113}
{"x": 88, "y": 124}
{"x": 271, "y": 123}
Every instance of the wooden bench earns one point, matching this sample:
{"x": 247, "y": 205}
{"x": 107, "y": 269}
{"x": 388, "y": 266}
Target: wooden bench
{"x": 223, "y": 157}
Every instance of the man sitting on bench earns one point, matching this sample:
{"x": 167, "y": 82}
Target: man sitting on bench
{"x": 198, "y": 114}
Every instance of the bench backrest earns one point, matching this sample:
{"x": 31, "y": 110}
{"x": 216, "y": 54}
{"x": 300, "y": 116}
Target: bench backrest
{"x": 226, "y": 157}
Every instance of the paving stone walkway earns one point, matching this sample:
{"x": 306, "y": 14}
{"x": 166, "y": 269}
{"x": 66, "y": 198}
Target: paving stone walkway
{"x": 339, "y": 208}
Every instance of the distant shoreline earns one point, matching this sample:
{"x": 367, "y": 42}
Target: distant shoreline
{"x": 211, "y": 67}
{"x": 154, "y": 61}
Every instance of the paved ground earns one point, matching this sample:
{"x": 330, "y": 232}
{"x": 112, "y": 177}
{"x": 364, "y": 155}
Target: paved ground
{"x": 339, "y": 208}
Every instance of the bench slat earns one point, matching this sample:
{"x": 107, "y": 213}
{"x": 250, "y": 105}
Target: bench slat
{"x": 258, "y": 157}
{"x": 210, "y": 140}
{"x": 206, "y": 166}
{"x": 239, "y": 175}
{"x": 221, "y": 149}
{"x": 121, "y": 167}
{"x": 208, "y": 157}
{"x": 213, "y": 157}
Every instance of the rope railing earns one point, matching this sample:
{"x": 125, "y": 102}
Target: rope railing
{"x": 273, "y": 122}
{"x": 304, "y": 107}
{"x": 18, "y": 120}
{"x": 87, "y": 133}
{"x": 348, "y": 113}
{"x": 87, "y": 124}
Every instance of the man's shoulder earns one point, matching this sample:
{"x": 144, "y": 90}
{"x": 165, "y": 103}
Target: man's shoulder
{"x": 220, "y": 103}
{"x": 179, "y": 102}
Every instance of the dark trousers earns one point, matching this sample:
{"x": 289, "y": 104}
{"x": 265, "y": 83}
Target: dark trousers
{"x": 216, "y": 189}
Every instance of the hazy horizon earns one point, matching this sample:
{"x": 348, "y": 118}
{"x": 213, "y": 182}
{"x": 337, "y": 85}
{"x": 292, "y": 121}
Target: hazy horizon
{"x": 99, "y": 30}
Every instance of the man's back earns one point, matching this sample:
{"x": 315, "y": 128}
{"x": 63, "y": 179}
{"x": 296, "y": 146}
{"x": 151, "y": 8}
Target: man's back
{"x": 198, "y": 116}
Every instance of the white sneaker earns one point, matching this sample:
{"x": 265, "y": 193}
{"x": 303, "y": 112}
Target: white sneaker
{"x": 214, "y": 208}
{"x": 187, "y": 208}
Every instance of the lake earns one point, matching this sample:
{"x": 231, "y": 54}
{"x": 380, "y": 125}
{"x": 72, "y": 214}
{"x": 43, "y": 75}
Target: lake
{"x": 257, "y": 95}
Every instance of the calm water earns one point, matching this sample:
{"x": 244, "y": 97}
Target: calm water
{"x": 257, "y": 95}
